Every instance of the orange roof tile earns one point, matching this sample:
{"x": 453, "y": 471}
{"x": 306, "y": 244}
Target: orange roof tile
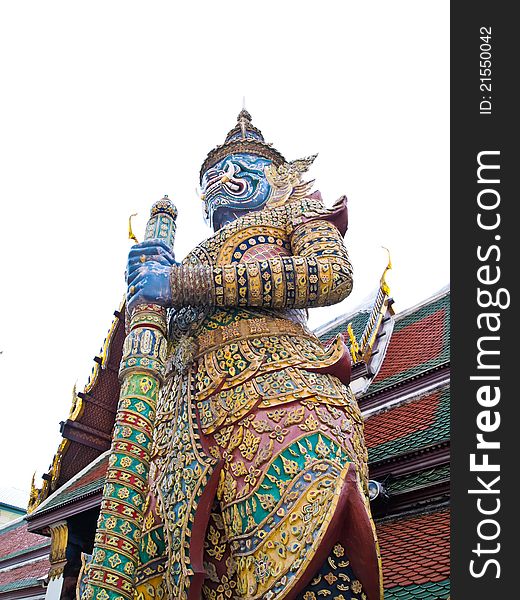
{"x": 415, "y": 549}
{"x": 419, "y": 423}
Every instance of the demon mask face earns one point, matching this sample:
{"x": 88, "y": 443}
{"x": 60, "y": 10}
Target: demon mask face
{"x": 234, "y": 186}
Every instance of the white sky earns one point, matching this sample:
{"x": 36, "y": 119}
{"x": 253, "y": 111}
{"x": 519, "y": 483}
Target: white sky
{"x": 107, "y": 106}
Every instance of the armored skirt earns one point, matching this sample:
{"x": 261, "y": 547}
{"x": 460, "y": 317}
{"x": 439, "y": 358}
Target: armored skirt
{"x": 258, "y": 480}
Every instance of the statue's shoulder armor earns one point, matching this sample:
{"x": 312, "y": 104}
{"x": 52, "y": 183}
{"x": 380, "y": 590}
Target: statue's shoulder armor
{"x": 302, "y": 209}
{"x": 312, "y": 208}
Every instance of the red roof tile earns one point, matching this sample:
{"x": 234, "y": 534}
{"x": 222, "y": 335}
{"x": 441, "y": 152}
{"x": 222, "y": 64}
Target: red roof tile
{"x": 33, "y": 570}
{"x": 15, "y": 538}
{"x": 415, "y": 549}
{"x": 398, "y": 422}
{"x": 423, "y": 422}
{"x": 417, "y": 343}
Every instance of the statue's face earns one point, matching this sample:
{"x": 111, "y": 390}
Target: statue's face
{"x": 235, "y": 186}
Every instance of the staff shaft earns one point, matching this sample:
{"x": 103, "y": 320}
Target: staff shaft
{"x": 110, "y": 573}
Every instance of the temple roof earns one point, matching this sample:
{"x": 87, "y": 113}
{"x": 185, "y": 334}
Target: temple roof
{"x": 426, "y": 538}
{"x": 18, "y": 545}
{"x": 88, "y": 482}
{"x": 407, "y": 410}
{"x": 420, "y": 342}
{"x": 420, "y": 422}
{"x": 87, "y": 430}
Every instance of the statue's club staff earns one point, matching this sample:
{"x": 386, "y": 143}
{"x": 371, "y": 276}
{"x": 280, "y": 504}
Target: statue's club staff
{"x": 110, "y": 574}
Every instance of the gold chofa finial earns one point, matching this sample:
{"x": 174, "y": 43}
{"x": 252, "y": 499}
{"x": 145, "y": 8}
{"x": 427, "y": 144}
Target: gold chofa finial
{"x": 383, "y": 284}
{"x": 33, "y": 495}
{"x": 354, "y": 346}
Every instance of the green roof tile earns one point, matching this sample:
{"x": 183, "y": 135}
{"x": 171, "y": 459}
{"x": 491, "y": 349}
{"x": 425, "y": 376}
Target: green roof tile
{"x": 358, "y": 320}
{"x": 418, "y": 479}
{"x": 20, "y": 584}
{"x": 425, "y": 591}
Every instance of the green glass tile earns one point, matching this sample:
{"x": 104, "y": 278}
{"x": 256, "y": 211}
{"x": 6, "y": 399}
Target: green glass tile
{"x": 424, "y": 591}
{"x": 419, "y": 479}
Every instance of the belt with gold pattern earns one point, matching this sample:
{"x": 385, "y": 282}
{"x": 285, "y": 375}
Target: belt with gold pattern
{"x": 248, "y": 328}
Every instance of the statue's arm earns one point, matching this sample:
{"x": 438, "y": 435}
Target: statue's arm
{"x": 318, "y": 273}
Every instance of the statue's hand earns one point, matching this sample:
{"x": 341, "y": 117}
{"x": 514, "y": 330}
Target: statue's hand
{"x": 148, "y": 274}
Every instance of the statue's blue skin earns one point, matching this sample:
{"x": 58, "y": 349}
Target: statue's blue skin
{"x": 244, "y": 189}
{"x": 235, "y": 186}
{"x": 149, "y": 280}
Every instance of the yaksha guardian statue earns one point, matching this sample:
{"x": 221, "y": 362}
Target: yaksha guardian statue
{"x": 258, "y": 475}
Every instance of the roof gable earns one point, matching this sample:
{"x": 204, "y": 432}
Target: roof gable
{"x": 87, "y": 482}
{"x": 420, "y": 342}
{"x": 88, "y": 430}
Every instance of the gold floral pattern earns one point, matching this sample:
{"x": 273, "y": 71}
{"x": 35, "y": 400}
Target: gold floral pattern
{"x": 335, "y": 580}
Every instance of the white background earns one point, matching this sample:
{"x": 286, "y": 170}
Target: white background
{"x": 106, "y": 106}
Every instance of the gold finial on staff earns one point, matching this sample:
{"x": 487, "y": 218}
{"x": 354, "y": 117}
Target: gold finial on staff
{"x": 131, "y": 235}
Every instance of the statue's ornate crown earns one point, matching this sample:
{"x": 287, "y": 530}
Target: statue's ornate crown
{"x": 244, "y": 137}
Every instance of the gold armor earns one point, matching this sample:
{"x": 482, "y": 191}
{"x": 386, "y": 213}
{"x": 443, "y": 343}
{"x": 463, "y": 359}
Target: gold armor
{"x": 258, "y": 445}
